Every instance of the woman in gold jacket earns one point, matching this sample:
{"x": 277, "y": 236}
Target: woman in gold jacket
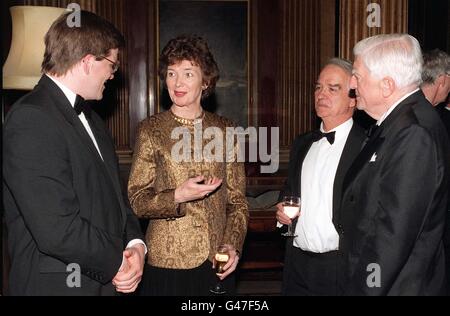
{"x": 190, "y": 190}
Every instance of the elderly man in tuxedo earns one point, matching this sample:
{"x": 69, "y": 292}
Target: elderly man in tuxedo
{"x": 436, "y": 88}
{"x": 436, "y": 76}
{"x": 395, "y": 192}
{"x": 70, "y": 231}
{"x": 318, "y": 163}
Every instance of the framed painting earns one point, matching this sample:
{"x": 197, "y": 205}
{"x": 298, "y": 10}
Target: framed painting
{"x": 225, "y": 27}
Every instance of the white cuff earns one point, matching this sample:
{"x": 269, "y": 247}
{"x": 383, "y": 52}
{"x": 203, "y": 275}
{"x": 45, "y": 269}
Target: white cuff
{"x": 135, "y": 242}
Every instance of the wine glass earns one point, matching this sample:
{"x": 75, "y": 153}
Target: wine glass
{"x": 220, "y": 260}
{"x": 291, "y": 207}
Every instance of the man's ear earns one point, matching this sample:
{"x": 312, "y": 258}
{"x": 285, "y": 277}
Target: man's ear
{"x": 387, "y": 86}
{"x": 440, "y": 81}
{"x": 87, "y": 63}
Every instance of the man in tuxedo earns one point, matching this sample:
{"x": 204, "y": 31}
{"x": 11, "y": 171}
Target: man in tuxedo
{"x": 70, "y": 231}
{"x": 436, "y": 83}
{"x": 436, "y": 88}
{"x": 444, "y": 113}
{"x": 318, "y": 163}
{"x": 436, "y": 76}
{"x": 395, "y": 192}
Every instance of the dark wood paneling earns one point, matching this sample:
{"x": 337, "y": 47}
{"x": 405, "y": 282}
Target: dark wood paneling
{"x": 353, "y": 22}
{"x": 141, "y": 40}
{"x": 328, "y": 42}
{"x": 268, "y": 42}
{"x": 298, "y": 65}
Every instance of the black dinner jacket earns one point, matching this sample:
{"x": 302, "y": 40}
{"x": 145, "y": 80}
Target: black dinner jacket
{"x": 445, "y": 117}
{"x": 299, "y": 150}
{"x": 63, "y": 203}
{"x": 395, "y": 201}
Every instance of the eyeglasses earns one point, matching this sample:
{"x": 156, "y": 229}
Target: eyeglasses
{"x": 115, "y": 65}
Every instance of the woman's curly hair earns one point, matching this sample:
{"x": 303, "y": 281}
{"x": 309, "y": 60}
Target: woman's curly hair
{"x": 194, "y": 49}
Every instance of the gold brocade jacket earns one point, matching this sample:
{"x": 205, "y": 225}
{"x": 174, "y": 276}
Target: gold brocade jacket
{"x": 183, "y": 236}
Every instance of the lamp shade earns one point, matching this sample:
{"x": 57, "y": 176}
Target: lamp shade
{"x": 22, "y": 69}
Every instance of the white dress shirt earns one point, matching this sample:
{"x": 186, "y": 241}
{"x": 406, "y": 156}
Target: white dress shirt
{"x": 315, "y": 229}
{"x": 71, "y": 96}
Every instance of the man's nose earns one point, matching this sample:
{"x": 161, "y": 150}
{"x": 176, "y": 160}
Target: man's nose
{"x": 320, "y": 93}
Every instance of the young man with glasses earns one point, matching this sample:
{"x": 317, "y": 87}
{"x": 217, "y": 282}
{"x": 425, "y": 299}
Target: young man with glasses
{"x": 63, "y": 203}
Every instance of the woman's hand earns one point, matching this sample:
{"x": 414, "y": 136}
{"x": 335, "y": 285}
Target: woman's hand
{"x": 194, "y": 189}
{"x": 232, "y": 262}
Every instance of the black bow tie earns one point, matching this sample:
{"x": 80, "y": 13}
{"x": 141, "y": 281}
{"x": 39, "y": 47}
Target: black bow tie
{"x": 318, "y": 135}
{"x": 82, "y": 106}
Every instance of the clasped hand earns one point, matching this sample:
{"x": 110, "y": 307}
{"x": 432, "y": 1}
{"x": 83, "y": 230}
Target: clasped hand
{"x": 130, "y": 272}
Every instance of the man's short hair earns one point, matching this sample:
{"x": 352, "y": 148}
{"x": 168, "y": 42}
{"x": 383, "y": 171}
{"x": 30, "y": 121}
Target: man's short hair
{"x": 342, "y": 63}
{"x": 392, "y": 55}
{"x": 65, "y": 46}
{"x": 435, "y": 64}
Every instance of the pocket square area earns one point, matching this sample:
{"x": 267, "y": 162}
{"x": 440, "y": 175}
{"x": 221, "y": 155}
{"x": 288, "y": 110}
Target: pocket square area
{"x": 374, "y": 158}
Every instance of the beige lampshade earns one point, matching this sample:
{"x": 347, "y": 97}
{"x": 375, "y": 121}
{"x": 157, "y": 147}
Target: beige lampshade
{"x": 22, "y": 69}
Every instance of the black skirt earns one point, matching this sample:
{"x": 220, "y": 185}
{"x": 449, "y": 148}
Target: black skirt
{"x": 183, "y": 282}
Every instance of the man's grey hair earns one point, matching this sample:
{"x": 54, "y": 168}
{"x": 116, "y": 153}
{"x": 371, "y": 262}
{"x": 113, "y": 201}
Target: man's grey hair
{"x": 435, "y": 64}
{"x": 342, "y": 63}
{"x": 392, "y": 55}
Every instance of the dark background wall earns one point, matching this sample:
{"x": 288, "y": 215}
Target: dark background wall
{"x": 429, "y": 23}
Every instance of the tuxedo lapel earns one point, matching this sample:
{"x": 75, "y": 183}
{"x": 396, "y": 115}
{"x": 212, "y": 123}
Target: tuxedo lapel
{"x": 350, "y": 151}
{"x": 364, "y": 157}
{"x": 110, "y": 163}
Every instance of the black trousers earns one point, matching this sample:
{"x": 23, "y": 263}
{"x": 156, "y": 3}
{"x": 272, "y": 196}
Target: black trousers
{"x": 309, "y": 274}
{"x": 178, "y": 282}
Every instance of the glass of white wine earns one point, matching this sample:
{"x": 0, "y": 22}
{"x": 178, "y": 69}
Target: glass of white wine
{"x": 291, "y": 207}
{"x": 220, "y": 260}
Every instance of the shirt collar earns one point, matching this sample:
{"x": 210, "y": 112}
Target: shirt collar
{"x": 392, "y": 108}
{"x": 70, "y": 95}
{"x": 341, "y": 130}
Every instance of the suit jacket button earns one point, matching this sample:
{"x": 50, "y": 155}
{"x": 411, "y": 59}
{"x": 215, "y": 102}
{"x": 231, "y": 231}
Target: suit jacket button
{"x": 352, "y": 198}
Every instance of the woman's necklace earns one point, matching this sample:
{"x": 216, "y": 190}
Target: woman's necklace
{"x": 189, "y": 122}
